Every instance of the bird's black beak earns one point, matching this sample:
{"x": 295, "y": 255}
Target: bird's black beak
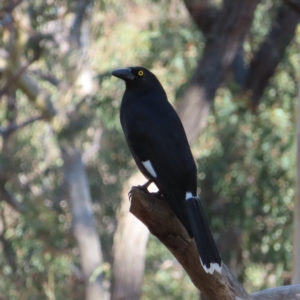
{"x": 124, "y": 74}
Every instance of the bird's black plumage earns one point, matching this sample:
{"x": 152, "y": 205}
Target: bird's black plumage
{"x": 159, "y": 146}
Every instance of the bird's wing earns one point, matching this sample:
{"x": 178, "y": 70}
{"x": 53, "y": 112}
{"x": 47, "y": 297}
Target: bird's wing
{"x": 167, "y": 151}
{"x": 163, "y": 144}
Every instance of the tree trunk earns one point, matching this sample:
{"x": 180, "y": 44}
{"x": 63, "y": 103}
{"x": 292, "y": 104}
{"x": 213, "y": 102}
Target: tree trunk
{"x": 296, "y": 237}
{"x": 270, "y": 53}
{"x": 222, "y": 44}
{"x": 130, "y": 242}
{"x": 83, "y": 224}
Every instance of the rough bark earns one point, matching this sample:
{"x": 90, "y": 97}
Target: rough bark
{"x": 83, "y": 224}
{"x": 296, "y": 236}
{"x": 222, "y": 43}
{"x": 129, "y": 248}
{"x": 161, "y": 222}
{"x": 270, "y": 53}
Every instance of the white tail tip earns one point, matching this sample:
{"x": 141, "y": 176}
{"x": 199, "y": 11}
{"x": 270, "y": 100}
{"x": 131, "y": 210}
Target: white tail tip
{"x": 212, "y": 267}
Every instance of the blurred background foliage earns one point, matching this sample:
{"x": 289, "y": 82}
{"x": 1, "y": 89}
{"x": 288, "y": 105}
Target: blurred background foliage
{"x": 246, "y": 161}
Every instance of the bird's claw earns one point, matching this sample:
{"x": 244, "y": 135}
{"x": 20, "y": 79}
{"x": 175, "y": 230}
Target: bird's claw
{"x": 130, "y": 195}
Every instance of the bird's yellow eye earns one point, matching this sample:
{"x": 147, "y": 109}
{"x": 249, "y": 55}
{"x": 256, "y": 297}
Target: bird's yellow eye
{"x": 140, "y": 73}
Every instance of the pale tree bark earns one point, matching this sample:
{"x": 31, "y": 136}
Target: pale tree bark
{"x": 80, "y": 201}
{"x": 83, "y": 223}
{"x": 79, "y": 195}
{"x": 162, "y": 222}
{"x": 296, "y": 236}
{"x": 129, "y": 249}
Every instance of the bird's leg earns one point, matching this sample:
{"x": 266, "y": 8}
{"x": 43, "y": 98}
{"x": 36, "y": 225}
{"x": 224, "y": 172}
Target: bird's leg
{"x": 157, "y": 194}
{"x": 145, "y": 186}
{"x": 130, "y": 194}
{"x": 142, "y": 187}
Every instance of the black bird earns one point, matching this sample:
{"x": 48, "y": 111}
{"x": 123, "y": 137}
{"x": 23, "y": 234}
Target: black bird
{"x": 159, "y": 146}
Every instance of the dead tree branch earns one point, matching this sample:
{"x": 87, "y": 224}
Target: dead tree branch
{"x": 162, "y": 223}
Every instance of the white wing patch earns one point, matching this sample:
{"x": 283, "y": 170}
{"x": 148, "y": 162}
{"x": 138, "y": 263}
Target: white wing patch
{"x": 213, "y": 267}
{"x": 147, "y": 164}
{"x": 188, "y": 195}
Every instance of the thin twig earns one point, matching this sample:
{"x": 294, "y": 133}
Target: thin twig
{"x": 47, "y": 77}
{"x": 12, "y": 128}
{"x": 15, "y": 76}
{"x": 10, "y": 199}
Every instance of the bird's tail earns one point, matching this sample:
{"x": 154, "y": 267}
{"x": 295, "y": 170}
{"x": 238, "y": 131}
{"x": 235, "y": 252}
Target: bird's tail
{"x": 209, "y": 254}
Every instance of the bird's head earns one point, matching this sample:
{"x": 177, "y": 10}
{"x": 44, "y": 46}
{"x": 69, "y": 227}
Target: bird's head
{"x": 136, "y": 77}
